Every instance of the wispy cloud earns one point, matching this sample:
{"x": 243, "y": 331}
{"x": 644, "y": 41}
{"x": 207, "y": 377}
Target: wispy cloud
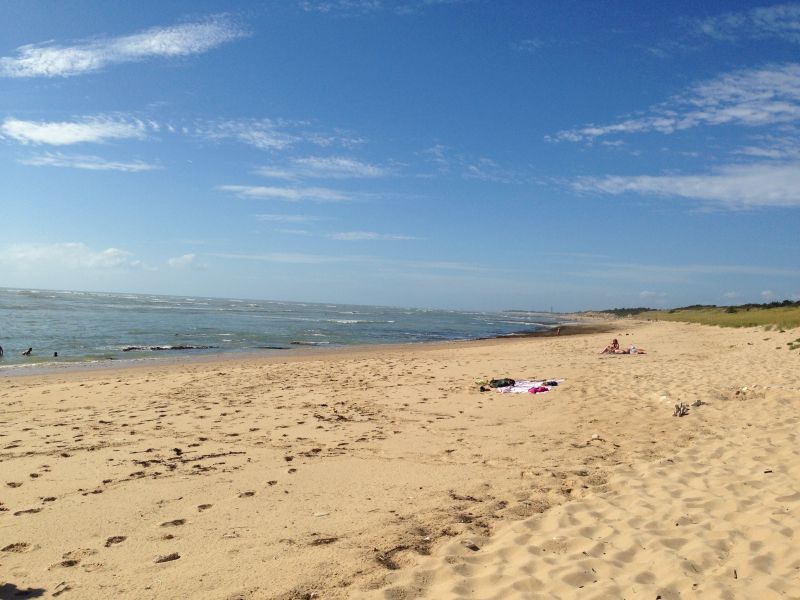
{"x": 272, "y": 134}
{"x": 70, "y": 255}
{"x": 330, "y": 167}
{"x": 485, "y": 169}
{"x": 361, "y": 7}
{"x": 782, "y": 147}
{"x": 54, "y": 60}
{"x": 662, "y": 274}
{"x": 357, "y": 236}
{"x": 778, "y": 21}
{"x": 750, "y": 97}
{"x": 90, "y": 163}
{"x": 63, "y": 133}
{"x": 531, "y": 46}
{"x": 289, "y": 194}
{"x": 445, "y": 161}
{"x": 286, "y": 218}
{"x": 296, "y": 258}
{"x": 735, "y": 186}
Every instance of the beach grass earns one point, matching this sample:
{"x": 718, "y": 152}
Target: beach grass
{"x": 781, "y": 317}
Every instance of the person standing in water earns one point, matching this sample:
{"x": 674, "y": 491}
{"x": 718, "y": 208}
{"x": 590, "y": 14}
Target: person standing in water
{"x": 27, "y": 352}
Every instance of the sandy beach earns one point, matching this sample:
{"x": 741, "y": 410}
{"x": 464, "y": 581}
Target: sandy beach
{"x": 386, "y": 473}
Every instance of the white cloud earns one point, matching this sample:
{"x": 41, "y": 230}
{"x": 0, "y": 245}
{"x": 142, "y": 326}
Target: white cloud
{"x": 179, "y": 262}
{"x": 63, "y": 133}
{"x": 750, "y": 97}
{"x": 353, "y": 236}
{"x": 91, "y": 163}
{"x": 52, "y": 60}
{"x": 768, "y": 295}
{"x": 302, "y": 232}
{"x": 289, "y": 194}
{"x": 780, "y": 21}
{"x": 70, "y": 255}
{"x": 734, "y": 186}
{"x": 333, "y": 167}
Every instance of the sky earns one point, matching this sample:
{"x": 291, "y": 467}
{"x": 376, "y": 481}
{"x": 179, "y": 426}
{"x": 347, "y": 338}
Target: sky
{"x": 465, "y": 154}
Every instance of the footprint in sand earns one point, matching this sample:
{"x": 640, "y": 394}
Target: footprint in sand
{"x": 247, "y": 494}
{"x": 203, "y": 507}
{"x": 78, "y": 555}
{"x": 167, "y": 558}
{"x": 175, "y": 523}
{"x": 30, "y": 511}
{"x": 65, "y": 564}
{"x": 13, "y": 484}
{"x": 114, "y": 540}
{"x": 17, "y": 547}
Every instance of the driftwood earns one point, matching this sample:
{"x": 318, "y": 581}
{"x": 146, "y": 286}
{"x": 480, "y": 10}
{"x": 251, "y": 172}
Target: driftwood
{"x": 681, "y": 410}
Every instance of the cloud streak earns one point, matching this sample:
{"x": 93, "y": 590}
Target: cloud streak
{"x": 357, "y": 236}
{"x": 53, "y": 60}
{"x": 89, "y": 163}
{"x": 331, "y": 167}
{"x": 734, "y": 186}
{"x": 288, "y": 194}
{"x": 750, "y": 97}
{"x": 63, "y": 133}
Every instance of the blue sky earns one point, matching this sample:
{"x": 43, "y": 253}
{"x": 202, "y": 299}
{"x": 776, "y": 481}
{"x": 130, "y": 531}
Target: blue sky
{"x": 436, "y": 153}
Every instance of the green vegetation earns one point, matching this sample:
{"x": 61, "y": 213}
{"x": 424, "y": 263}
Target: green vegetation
{"x": 775, "y": 315}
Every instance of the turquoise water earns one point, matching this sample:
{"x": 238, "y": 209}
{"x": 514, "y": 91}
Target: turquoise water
{"x": 84, "y": 327}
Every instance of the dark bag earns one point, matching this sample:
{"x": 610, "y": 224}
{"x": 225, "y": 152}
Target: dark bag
{"x": 496, "y": 383}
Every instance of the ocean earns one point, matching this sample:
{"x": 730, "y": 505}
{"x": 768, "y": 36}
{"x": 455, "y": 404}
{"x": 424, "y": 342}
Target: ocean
{"x": 90, "y": 327}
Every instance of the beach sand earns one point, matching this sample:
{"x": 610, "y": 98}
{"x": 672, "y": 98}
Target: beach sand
{"x": 385, "y": 473}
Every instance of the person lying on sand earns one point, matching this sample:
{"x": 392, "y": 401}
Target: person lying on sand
{"x": 612, "y": 348}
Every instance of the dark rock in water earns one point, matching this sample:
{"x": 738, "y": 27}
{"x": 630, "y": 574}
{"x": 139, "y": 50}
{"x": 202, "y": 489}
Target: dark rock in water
{"x": 271, "y": 348}
{"x": 299, "y": 343}
{"x": 178, "y": 347}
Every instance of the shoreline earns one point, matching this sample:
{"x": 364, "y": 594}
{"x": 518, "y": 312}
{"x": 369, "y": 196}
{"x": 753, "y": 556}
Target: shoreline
{"x": 342, "y": 474}
{"x": 53, "y": 367}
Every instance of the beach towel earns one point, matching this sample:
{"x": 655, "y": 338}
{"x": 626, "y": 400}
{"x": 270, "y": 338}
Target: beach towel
{"x": 524, "y": 386}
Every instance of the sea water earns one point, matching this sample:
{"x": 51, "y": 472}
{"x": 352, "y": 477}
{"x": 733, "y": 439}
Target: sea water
{"x": 86, "y": 327}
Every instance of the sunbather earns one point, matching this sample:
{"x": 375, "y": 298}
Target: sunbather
{"x": 612, "y": 348}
